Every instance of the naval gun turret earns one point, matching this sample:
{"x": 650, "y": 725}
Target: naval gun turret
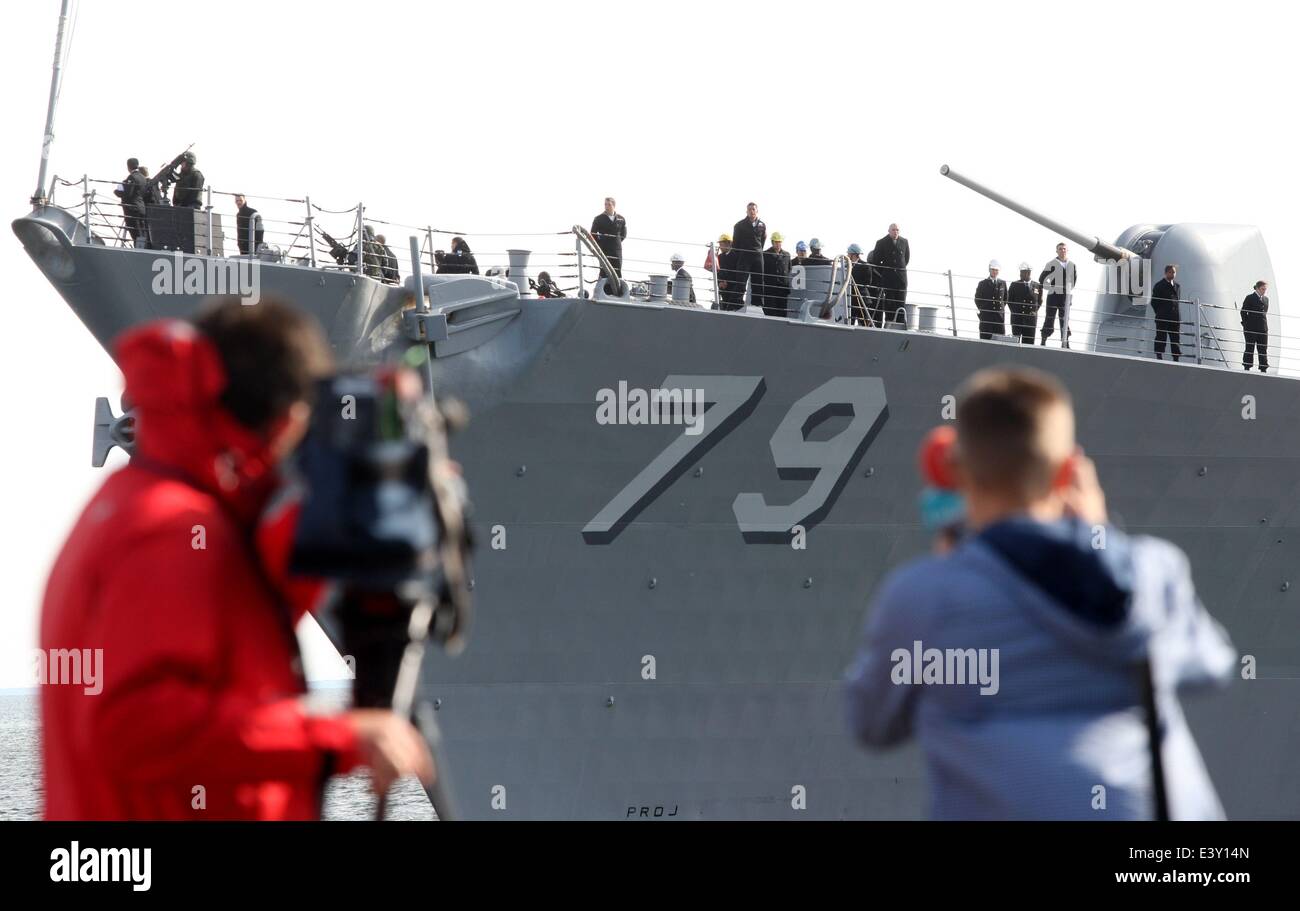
{"x": 1218, "y": 266}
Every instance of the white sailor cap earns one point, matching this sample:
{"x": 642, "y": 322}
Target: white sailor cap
{"x": 994, "y": 264}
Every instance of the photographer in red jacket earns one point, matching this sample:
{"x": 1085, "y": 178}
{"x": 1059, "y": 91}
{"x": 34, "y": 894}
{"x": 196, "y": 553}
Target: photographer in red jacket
{"x": 175, "y": 573}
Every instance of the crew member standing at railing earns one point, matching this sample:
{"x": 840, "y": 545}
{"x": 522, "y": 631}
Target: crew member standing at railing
{"x": 610, "y": 230}
{"x": 248, "y": 226}
{"x": 1024, "y": 297}
{"x": 864, "y": 310}
{"x": 776, "y": 278}
{"x": 681, "y": 277}
{"x": 1164, "y": 301}
{"x": 1058, "y": 280}
{"x": 460, "y": 261}
{"x": 189, "y": 184}
{"x": 816, "y": 257}
{"x": 132, "y": 193}
{"x": 991, "y": 300}
{"x": 1254, "y": 324}
{"x": 800, "y": 255}
{"x": 371, "y": 258}
{"x": 731, "y": 282}
{"x": 889, "y": 259}
{"x": 387, "y": 261}
{"x": 748, "y": 237}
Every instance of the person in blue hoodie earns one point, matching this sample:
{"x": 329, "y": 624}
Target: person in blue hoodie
{"x": 1022, "y": 661}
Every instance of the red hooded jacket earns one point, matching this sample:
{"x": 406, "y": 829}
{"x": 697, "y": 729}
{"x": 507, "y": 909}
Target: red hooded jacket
{"x": 196, "y": 712}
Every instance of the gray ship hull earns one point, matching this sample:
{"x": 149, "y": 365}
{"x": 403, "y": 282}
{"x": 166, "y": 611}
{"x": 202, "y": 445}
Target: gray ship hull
{"x": 673, "y": 663}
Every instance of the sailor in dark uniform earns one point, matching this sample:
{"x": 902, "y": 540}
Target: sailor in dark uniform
{"x": 800, "y": 255}
{"x": 610, "y": 230}
{"x": 1164, "y": 301}
{"x": 747, "y": 239}
{"x": 1254, "y": 324}
{"x": 247, "y": 221}
{"x": 731, "y": 281}
{"x": 991, "y": 301}
{"x": 372, "y": 258}
{"x": 460, "y": 261}
{"x": 387, "y": 260}
{"x": 189, "y": 185}
{"x": 681, "y": 277}
{"x": 815, "y": 257}
{"x": 864, "y": 310}
{"x": 1024, "y": 297}
{"x": 889, "y": 259}
{"x": 132, "y": 191}
{"x": 776, "y": 278}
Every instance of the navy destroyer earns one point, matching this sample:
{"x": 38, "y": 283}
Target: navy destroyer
{"x": 665, "y": 607}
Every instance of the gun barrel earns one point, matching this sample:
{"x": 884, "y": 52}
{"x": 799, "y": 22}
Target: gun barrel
{"x": 1091, "y": 243}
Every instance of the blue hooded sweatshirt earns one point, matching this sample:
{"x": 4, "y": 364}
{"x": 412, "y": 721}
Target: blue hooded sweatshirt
{"x": 1031, "y": 707}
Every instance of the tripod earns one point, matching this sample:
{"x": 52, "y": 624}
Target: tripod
{"x": 407, "y": 704}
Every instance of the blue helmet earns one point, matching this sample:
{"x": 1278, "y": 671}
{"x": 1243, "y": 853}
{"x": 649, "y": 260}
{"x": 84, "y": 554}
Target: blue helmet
{"x": 855, "y": 250}
{"x": 801, "y": 247}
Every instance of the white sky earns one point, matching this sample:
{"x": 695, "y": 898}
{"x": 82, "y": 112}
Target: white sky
{"x": 516, "y": 117}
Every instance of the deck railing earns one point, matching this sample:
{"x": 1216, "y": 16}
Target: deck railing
{"x": 295, "y": 230}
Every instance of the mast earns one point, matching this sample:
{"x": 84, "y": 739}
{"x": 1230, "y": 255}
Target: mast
{"x": 39, "y": 198}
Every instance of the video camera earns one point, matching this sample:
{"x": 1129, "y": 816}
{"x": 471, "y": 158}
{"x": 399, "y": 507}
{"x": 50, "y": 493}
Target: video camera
{"x": 384, "y": 516}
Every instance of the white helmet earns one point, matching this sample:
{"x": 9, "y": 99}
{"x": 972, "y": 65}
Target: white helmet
{"x": 678, "y": 258}
{"x": 1025, "y": 267}
{"x": 994, "y": 264}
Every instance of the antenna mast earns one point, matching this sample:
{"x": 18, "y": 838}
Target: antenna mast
{"x": 39, "y": 198}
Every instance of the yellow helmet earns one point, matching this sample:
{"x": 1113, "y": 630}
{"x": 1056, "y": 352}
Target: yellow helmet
{"x": 777, "y": 238}
{"x": 722, "y": 237}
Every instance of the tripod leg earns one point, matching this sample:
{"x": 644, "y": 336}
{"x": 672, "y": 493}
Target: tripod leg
{"x": 440, "y": 792}
{"x": 406, "y": 703}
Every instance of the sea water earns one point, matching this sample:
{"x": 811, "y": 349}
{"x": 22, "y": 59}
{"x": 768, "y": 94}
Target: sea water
{"x": 347, "y": 797}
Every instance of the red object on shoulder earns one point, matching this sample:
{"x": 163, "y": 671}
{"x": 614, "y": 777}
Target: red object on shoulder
{"x": 934, "y": 454}
{"x": 187, "y": 702}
